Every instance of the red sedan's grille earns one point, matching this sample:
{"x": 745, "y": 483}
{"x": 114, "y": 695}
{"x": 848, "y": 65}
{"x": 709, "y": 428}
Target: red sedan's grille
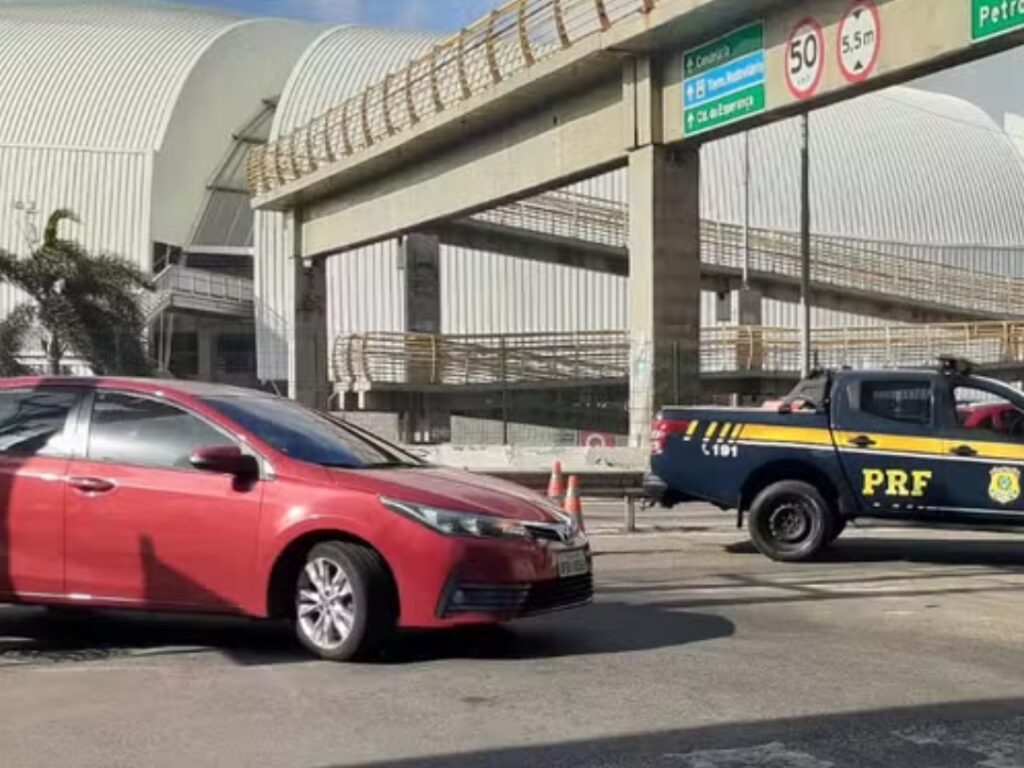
{"x": 517, "y": 599}
{"x": 560, "y": 593}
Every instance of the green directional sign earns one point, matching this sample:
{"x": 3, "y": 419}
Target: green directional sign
{"x": 990, "y": 18}
{"x": 726, "y": 110}
{"x": 724, "y": 80}
{"x": 723, "y": 50}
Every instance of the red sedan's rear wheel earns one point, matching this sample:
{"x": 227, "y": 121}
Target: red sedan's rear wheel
{"x": 344, "y": 603}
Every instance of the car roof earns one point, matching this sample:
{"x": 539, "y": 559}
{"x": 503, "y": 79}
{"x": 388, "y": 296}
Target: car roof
{"x": 143, "y": 385}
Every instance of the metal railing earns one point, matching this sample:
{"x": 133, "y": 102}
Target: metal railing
{"x": 200, "y": 282}
{"x": 509, "y": 40}
{"x": 847, "y": 264}
{"x": 778, "y": 349}
{"x": 196, "y": 283}
{"x": 361, "y": 361}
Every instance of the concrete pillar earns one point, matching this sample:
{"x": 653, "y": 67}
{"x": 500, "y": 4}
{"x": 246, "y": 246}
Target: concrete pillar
{"x": 664, "y": 282}
{"x": 421, "y": 255}
{"x": 308, "y": 376}
{"x": 205, "y": 352}
{"x": 750, "y": 306}
{"x": 750, "y": 351}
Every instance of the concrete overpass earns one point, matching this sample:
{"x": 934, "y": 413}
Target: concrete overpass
{"x": 543, "y": 92}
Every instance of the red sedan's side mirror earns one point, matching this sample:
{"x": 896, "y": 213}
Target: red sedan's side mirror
{"x": 226, "y": 460}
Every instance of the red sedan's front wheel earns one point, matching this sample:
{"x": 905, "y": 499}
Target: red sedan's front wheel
{"x": 344, "y": 602}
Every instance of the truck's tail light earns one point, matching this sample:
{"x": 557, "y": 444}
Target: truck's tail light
{"x": 662, "y": 429}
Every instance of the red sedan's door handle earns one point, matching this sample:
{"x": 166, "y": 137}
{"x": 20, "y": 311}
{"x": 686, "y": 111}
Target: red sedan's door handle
{"x": 91, "y": 484}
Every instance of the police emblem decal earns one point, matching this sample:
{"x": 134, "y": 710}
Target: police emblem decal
{"x": 1004, "y": 486}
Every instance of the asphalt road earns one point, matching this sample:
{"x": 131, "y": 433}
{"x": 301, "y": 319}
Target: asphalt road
{"x": 899, "y": 649}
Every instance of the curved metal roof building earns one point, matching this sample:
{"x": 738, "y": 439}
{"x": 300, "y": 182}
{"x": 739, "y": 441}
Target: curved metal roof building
{"x": 122, "y": 110}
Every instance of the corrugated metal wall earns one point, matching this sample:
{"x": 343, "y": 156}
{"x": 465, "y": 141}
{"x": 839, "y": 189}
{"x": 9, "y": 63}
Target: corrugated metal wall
{"x": 488, "y": 293}
{"x": 72, "y": 68}
{"x": 108, "y": 190}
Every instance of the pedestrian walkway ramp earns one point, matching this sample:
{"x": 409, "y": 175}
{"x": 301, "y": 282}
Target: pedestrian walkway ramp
{"x": 905, "y": 282}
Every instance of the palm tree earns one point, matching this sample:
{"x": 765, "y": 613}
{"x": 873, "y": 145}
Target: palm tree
{"x": 88, "y": 305}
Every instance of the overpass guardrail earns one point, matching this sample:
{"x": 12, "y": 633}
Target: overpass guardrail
{"x": 362, "y": 361}
{"x": 510, "y": 39}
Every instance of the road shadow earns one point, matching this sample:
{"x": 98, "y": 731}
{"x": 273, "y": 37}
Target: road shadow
{"x": 957, "y": 735}
{"x": 989, "y": 552}
{"x": 600, "y": 628}
{"x": 42, "y": 635}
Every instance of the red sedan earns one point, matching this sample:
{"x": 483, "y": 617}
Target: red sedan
{"x": 177, "y": 496}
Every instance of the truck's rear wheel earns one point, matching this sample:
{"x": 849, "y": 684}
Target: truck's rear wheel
{"x": 790, "y": 521}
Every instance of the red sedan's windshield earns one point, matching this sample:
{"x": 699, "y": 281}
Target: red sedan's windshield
{"x": 308, "y": 436}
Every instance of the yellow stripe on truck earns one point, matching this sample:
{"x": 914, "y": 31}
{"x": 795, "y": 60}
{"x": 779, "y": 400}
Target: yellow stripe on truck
{"x": 692, "y": 428}
{"x": 772, "y": 433}
{"x": 995, "y": 451}
{"x": 930, "y": 446}
{"x": 712, "y": 428}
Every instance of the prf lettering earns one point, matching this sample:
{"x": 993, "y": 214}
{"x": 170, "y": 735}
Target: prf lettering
{"x": 896, "y": 482}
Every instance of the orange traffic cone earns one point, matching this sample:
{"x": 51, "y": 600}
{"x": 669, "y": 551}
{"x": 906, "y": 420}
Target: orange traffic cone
{"x": 573, "y": 504}
{"x": 556, "y": 486}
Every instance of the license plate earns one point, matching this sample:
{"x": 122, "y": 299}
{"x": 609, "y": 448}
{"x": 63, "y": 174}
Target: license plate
{"x": 572, "y": 564}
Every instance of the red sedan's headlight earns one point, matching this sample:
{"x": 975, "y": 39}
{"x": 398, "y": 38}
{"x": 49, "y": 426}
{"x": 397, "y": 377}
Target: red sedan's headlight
{"x": 452, "y": 523}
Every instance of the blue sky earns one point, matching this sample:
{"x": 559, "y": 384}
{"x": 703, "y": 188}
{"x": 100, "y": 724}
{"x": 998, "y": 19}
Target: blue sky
{"x": 407, "y": 14}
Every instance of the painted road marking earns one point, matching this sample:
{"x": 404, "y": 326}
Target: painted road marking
{"x": 774, "y": 755}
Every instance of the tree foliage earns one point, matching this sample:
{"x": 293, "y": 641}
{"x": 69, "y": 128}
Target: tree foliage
{"x": 87, "y": 305}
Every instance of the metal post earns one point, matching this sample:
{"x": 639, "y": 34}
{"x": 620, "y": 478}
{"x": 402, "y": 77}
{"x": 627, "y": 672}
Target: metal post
{"x": 746, "y": 210}
{"x": 630, "y": 513}
{"x": 805, "y": 248}
{"x": 503, "y": 351}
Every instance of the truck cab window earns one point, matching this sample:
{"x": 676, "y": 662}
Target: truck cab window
{"x": 907, "y": 402}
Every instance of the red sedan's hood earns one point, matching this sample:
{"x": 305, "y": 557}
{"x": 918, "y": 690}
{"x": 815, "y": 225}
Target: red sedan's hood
{"x": 452, "y": 489}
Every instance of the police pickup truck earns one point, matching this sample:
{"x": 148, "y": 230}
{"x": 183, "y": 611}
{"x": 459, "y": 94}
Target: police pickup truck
{"x": 935, "y": 446}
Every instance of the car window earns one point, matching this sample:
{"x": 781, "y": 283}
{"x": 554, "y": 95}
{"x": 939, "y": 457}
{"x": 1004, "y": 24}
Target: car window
{"x": 32, "y": 421}
{"x": 906, "y": 402}
{"x": 305, "y": 435}
{"x": 128, "y": 429}
{"x": 987, "y": 413}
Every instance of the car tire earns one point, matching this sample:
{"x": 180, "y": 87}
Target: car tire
{"x": 345, "y": 608}
{"x": 790, "y": 521}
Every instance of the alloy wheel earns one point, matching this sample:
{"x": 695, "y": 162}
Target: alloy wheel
{"x": 326, "y": 604}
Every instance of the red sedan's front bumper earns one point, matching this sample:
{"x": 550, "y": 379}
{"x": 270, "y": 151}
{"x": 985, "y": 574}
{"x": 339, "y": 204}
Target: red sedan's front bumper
{"x": 462, "y": 580}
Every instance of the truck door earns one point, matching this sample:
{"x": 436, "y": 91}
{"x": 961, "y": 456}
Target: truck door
{"x": 984, "y": 448}
{"x": 884, "y": 429}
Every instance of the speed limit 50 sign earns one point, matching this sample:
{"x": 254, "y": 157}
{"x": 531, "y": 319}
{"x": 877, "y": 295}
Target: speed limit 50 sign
{"x": 805, "y": 58}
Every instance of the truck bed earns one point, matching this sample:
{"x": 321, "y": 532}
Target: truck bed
{"x": 710, "y": 453}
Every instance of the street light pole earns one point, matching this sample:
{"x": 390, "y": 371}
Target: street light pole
{"x": 805, "y": 247}
{"x": 746, "y": 210}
